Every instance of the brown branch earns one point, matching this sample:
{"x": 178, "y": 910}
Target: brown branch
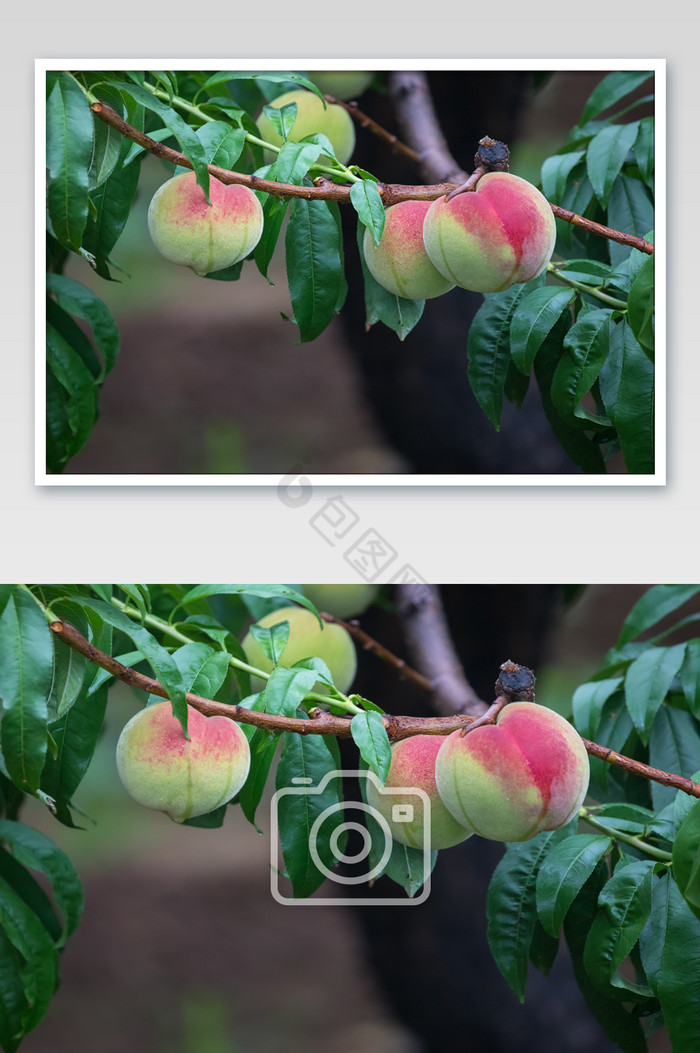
{"x": 368, "y": 643}
{"x": 391, "y": 193}
{"x": 428, "y": 639}
{"x": 322, "y": 723}
{"x": 645, "y": 771}
{"x": 326, "y": 190}
{"x": 602, "y": 231}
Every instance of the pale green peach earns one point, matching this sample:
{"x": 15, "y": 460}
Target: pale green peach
{"x": 510, "y": 780}
{"x": 488, "y": 239}
{"x": 307, "y": 639}
{"x": 206, "y": 237}
{"x": 413, "y": 767}
{"x": 341, "y": 83}
{"x": 400, "y": 262}
{"x": 162, "y": 769}
{"x": 343, "y": 601}
{"x": 313, "y": 115}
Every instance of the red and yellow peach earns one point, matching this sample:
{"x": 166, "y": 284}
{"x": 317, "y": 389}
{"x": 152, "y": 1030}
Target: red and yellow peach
{"x": 493, "y": 237}
{"x": 400, "y": 262}
{"x": 510, "y": 780}
{"x": 162, "y": 769}
{"x": 206, "y": 237}
{"x": 413, "y": 767}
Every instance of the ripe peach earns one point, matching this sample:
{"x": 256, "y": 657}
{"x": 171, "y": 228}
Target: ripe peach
{"x": 341, "y": 83}
{"x": 490, "y": 238}
{"x": 307, "y": 639}
{"x": 400, "y": 262}
{"x": 313, "y": 116}
{"x": 187, "y": 230}
{"x": 343, "y": 601}
{"x": 510, "y": 780}
{"x": 413, "y": 766}
{"x": 162, "y": 769}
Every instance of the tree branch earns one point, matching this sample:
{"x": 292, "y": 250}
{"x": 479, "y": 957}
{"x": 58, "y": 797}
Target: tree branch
{"x": 322, "y": 723}
{"x": 369, "y": 644}
{"x": 420, "y": 127}
{"x": 428, "y": 639}
{"x": 326, "y": 190}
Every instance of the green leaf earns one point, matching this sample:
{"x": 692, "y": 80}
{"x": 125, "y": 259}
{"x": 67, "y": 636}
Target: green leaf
{"x": 367, "y": 202}
{"x": 263, "y": 746}
{"x": 536, "y": 316}
{"x": 674, "y": 745}
{"x": 39, "y": 970}
{"x": 616, "y": 1022}
{"x": 69, "y": 669}
{"x": 222, "y": 144}
{"x": 283, "y": 592}
{"x": 372, "y": 740}
{"x": 586, "y": 347}
{"x": 69, "y": 145}
{"x": 35, "y": 850}
{"x": 563, "y": 873}
{"x": 686, "y": 859}
{"x": 656, "y": 604}
{"x": 644, "y": 150}
{"x": 583, "y": 451}
{"x": 26, "y": 669}
{"x": 77, "y": 300}
{"x": 395, "y": 312}
{"x": 588, "y": 702}
{"x": 78, "y": 393}
{"x": 556, "y": 171}
{"x": 690, "y": 676}
{"x": 307, "y": 757}
{"x": 274, "y": 211}
{"x": 640, "y": 307}
{"x": 627, "y": 391}
{"x": 314, "y": 264}
{"x": 294, "y": 161}
{"x": 76, "y": 734}
{"x": 286, "y": 689}
{"x": 409, "y": 867}
{"x": 647, "y": 682}
{"x": 606, "y": 154}
{"x": 161, "y": 662}
{"x": 611, "y": 89}
{"x": 624, "y": 906}
{"x": 511, "y": 907}
{"x": 203, "y": 669}
{"x": 107, "y": 141}
{"x": 12, "y": 1000}
{"x": 631, "y": 209}
{"x": 670, "y": 950}
{"x": 488, "y": 347}
{"x": 111, "y": 206}
{"x": 190, "y": 143}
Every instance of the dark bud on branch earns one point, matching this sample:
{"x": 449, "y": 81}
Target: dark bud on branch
{"x": 492, "y": 155}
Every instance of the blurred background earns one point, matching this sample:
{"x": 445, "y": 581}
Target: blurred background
{"x": 182, "y": 948}
{"x": 210, "y": 379}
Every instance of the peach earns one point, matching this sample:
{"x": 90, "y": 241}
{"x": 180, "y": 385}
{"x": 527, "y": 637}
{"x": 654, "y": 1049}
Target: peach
{"x": 413, "y": 766}
{"x": 307, "y": 639}
{"x": 343, "y": 601}
{"x": 313, "y": 115}
{"x": 510, "y": 780}
{"x": 161, "y": 769}
{"x": 187, "y": 230}
{"x": 490, "y": 238}
{"x": 400, "y": 262}
{"x": 342, "y": 83}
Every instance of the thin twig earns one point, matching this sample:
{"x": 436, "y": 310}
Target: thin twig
{"x": 368, "y": 643}
{"x": 322, "y": 723}
{"x": 368, "y": 122}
